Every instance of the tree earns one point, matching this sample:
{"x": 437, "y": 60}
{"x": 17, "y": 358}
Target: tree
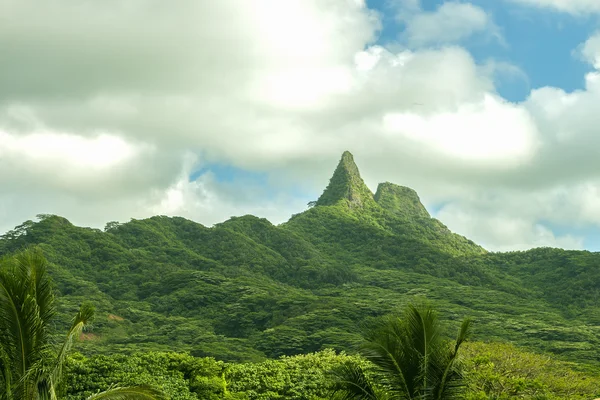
{"x": 410, "y": 360}
{"x": 31, "y": 367}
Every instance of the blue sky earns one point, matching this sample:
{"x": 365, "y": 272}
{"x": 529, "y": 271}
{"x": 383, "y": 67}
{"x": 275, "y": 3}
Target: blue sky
{"x": 542, "y": 43}
{"x": 539, "y": 42}
{"x": 176, "y": 113}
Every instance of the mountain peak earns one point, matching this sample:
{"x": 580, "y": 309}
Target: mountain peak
{"x": 346, "y": 186}
{"x": 400, "y": 200}
{"x": 348, "y": 157}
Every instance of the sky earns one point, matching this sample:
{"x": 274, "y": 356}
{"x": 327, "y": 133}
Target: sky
{"x": 120, "y": 109}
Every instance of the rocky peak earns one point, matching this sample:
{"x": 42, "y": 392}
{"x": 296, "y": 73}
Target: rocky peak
{"x": 400, "y": 200}
{"x": 346, "y": 186}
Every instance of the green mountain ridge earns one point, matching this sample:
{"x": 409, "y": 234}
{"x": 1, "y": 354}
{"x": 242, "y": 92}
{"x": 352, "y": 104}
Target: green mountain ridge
{"x": 246, "y": 289}
{"x": 400, "y": 200}
{"x": 393, "y": 208}
{"x": 346, "y": 187}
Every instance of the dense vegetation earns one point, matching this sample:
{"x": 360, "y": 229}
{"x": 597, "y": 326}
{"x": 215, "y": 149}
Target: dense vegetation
{"x": 246, "y": 290}
{"x": 31, "y": 367}
{"x": 492, "y": 371}
{"x": 409, "y": 358}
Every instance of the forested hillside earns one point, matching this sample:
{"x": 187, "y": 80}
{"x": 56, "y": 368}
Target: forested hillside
{"x": 246, "y": 290}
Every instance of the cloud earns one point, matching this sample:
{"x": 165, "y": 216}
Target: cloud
{"x": 451, "y": 22}
{"x": 93, "y": 165}
{"x": 519, "y": 219}
{"x": 102, "y": 101}
{"x": 578, "y": 7}
{"x": 590, "y": 50}
{"x": 498, "y": 232}
{"x": 560, "y": 185}
{"x": 212, "y": 201}
{"x": 109, "y": 107}
{"x": 123, "y": 47}
{"x": 491, "y": 132}
{"x": 67, "y": 151}
{"x": 502, "y": 71}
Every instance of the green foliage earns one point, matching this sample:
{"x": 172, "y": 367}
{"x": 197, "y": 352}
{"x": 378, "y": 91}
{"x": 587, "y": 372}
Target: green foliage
{"x": 31, "y": 368}
{"x": 412, "y": 360}
{"x": 180, "y": 376}
{"x": 502, "y": 371}
{"x": 400, "y": 200}
{"x": 27, "y": 360}
{"x": 336, "y": 270}
{"x": 245, "y": 289}
{"x": 566, "y": 278}
{"x": 300, "y": 377}
{"x": 346, "y": 187}
{"x": 491, "y": 370}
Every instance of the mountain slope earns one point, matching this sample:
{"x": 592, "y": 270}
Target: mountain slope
{"x": 347, "y": 214}
{"x": 346, "y": 187}
{"x": 246, "y": 289}
{"x": 400, "y": 200}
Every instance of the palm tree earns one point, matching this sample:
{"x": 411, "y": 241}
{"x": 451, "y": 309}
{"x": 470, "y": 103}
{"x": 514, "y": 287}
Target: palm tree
{"x": 410, "y": 361}
{"x": 31, "y": 368}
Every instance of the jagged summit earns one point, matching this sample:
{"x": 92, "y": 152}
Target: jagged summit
{"x": 346, "y": 186}
{"x": 400, "y": 200}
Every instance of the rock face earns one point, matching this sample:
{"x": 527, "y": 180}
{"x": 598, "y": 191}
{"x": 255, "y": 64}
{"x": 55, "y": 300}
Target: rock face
{"x": 346, "y": 187}
{"x": 400, "y": 200}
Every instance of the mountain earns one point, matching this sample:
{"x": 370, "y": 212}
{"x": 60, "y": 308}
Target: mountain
{"x": 400, "y": 200}
{"x": 246, "y": 289}
{"x": 382, "y": 224}
{"x": 346, "y": 187}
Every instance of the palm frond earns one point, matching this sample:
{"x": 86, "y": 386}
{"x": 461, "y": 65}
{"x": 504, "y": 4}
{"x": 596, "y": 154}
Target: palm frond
{"x": 26, "y": 307}
{"x": 34, "y": 382}
{"x": 386, "y": 348}
{"x": 30, "y": 368}
{"x": 451, "y": 381}
{"x": 11, "y": 318}
{"x": 5, "y": 376}
{"x": 79, "y": 322}
{"x": 35, "y": 267}
{"x": 463, "y": 333}
{"x": 353, "y": 384}
{"x": 412, "y": 358}
{"x": 141, "y": 392}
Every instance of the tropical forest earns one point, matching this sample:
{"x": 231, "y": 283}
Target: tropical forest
{"x": 360, "y": 296}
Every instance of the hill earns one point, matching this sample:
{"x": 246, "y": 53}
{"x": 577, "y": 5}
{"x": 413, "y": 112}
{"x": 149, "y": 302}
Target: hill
{"x": 246, "y": 289}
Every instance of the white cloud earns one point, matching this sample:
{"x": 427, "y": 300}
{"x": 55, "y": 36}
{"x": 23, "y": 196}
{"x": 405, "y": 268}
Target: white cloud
{"x": 83, "y": 165}
{"x": 580, "y": 7}
{"x": 107, "y": 107}
{"x": 505, "y": 219}
{"x": 502, "y": 71}
{"x": 66, "y": 151}
{"x": 590, "y": 50}
{"x": 588, "y": 204}
{"x": 451, "y": 22}
{"x": 210, "y": 201}
{"x": 491, "y": 132}
{"x": 498, "y": 232}
{"x": 303, "y": 88}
